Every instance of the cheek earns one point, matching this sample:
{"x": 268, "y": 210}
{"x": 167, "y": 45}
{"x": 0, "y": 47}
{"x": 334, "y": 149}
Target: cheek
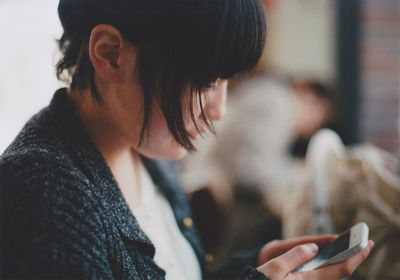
{"x": 160, "y": 143}
{"x": 196, "y": 107}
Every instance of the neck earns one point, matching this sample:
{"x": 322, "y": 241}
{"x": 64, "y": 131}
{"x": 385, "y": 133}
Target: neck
{"x": 119, "y": 155}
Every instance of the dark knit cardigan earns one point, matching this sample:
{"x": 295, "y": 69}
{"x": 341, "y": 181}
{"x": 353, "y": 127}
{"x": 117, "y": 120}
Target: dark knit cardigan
{"x": 63, "y": 215}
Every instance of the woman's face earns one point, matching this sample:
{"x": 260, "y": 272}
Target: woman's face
{"x": 117, "y": 123}
{"x": 123, "y": 116}
{"x": 161, "y": 144}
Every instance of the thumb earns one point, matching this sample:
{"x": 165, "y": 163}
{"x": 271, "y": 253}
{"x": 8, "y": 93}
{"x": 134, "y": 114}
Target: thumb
{"x": 280, "y": 267}
{"x": 299, "y": 255}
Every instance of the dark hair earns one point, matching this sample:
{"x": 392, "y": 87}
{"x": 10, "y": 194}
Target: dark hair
{"x": 181, "y": 46}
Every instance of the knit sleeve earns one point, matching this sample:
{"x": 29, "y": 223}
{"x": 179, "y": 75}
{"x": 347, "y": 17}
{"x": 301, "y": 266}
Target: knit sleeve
{"x": 241, "y": 267}
{"x": 49, "y": 227}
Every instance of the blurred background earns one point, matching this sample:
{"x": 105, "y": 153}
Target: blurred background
{"x": 328, "y": 64}
{"x": 29, "y": 30}
{"x": 352, "y": 45}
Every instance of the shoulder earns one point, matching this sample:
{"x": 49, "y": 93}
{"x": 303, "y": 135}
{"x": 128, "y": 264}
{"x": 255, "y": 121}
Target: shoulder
{"x": 48, "y": 217}
{"x": 38, "y": 160}
{"x": 40, "y": 173}
{"x": 40, "y": 185}
{"x": 38, "y": 169}
{"x": 51, "y": 215}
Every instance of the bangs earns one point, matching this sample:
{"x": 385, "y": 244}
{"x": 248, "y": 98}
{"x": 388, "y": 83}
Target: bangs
{"x": 205, "y": 42}
{"x": 232, "y": 40}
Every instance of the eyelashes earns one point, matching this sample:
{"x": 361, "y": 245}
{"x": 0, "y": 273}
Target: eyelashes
{"x": 213, "y": 85}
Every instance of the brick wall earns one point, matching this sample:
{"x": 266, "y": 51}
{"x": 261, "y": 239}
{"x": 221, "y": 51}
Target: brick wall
{"x": 380, "y": 59}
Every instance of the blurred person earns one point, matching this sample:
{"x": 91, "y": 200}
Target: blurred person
{"x": 83, "y": 191}
{"x": 315, "y": 110}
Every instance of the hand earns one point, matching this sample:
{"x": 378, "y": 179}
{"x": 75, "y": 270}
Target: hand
{"x": 281, "y": 267}
{"x": 276, "y": 248}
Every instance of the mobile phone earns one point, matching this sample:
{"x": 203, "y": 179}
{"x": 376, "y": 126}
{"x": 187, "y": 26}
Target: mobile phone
{"x": 338, "y": 250}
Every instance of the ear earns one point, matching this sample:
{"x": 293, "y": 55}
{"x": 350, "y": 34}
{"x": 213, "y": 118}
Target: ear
{"x": 108, "y": 53}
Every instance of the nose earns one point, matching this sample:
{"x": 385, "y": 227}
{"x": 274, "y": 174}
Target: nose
{"x": 217, "y": 101}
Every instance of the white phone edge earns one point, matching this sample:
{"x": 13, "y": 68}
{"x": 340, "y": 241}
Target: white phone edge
{"x": 355, "y": 249}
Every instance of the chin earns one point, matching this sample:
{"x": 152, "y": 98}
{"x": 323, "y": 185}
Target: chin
{"x": 173, "y": 153}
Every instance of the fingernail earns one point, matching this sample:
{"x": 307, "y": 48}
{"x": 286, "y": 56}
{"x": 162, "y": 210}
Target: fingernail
{"x": 371, "y": 243}
{"x": 313, "y": 247}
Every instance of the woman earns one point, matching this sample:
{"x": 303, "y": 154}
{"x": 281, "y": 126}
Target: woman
{"x": 82, "y": 194}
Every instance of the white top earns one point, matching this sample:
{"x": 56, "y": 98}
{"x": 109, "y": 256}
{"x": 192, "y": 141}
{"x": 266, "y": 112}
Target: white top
{"x": 173, "y": 252}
